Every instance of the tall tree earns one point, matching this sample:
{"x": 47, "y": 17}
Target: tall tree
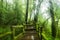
{"x": 38, "y": 4}
{"x": 27, "y": 11}
{"x": 37, "y": 10}
{"x": 53, "y": 20}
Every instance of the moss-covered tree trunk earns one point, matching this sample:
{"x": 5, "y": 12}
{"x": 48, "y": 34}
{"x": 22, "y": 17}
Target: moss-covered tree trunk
{"x": 53, "y": 26}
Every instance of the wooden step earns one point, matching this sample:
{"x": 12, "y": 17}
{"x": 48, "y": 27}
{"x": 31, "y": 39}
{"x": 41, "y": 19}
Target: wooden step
{"x": 30, "y": 29}
{"x": 30, "y": 37}
{"x": 30, "y": 32}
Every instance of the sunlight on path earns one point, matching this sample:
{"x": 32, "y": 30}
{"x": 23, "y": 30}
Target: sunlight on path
{"x": 32, "y": 37}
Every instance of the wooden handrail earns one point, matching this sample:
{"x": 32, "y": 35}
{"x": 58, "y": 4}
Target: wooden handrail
{"x": 18, "y": 36}
{"x": 7, "y": 33}
{"x": 17, "y": 26}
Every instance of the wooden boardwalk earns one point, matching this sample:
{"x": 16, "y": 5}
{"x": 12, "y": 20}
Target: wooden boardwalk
{"x": 30, "y": 34}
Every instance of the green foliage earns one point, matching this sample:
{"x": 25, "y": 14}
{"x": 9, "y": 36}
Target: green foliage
{"x": 18, "y": 31}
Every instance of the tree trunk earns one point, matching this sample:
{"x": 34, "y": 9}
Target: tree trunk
{"x": 27, "y": 11}
{"x": 53, "y": 21}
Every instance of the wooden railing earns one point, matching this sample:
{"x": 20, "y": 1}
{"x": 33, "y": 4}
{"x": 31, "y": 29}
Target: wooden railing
{"x": 12, "y": 32}
{"x": 40, "y": 33}
{"x": 21, "y": 34}
{"x": 7, "y": 33}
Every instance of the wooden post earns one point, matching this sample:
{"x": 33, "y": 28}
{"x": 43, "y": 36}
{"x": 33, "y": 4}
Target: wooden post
{"x": 13, "y": 32}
